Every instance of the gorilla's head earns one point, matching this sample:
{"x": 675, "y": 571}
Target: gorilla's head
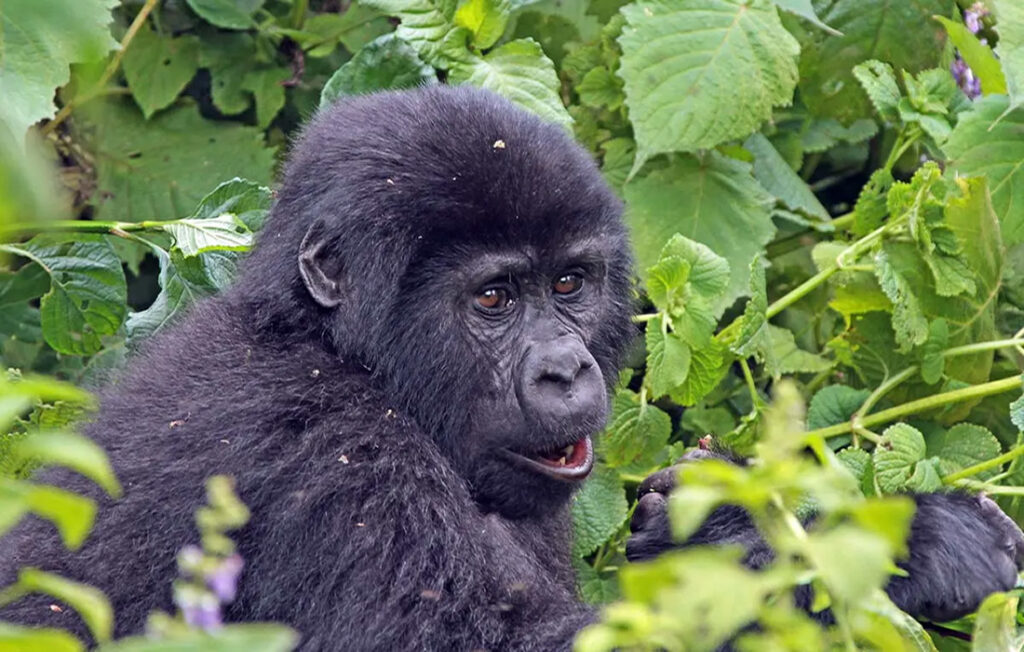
{"x": 472, "y": 257}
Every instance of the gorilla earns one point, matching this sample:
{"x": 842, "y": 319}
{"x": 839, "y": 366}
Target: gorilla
{"x": 404, "y": 382}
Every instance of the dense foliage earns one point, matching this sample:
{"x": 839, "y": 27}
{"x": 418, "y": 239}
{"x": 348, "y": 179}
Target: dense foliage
{"x": 825, "y": 202}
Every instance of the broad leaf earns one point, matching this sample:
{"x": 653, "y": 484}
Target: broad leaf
{"x": 38, "y": 639}
{"x": 713, "y": 200}
{"x": 159, "y": 170}
{"x": 977, "y": 55}
{"x": 229, "y": 14}
{"x": 699, "y": 74}
{"x": 72, "y": 451}
{"x": 635, "y": 433}
{"x": 485, "y": 19}
{"x": 520, "y": 71}
{"x": 386, "y": 63}
{"x": 89, "y": 602}
{"x": 87, "y": 293}
{"x": 429, "y": 26}
{"x": 834, "y": 404}
{"x": 879, "y": 83}
{"x": 39, "y": 40}
{"x": 266, "y": 86}
{"x": 781, "y": 180}
{"x": 995, "y": 627}
{"x": 224, "y": 232}
{"x": 687, "y": 282}
{"x": 902, "y": 34}
{"x": 598, "y": 510}
{"x": 668, "y": 359}
{"x": 71, "y": 514}
{"x": 157, "y": 68}
{"x": 964, "y": 445}
{"x": 987, "y": 142}
{"x": 805, "y": 10}
{"x": 1010, "y": 26}
{"x": 896, "y": 458}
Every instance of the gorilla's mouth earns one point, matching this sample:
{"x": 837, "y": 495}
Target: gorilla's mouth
{"x": 570, "y": 462}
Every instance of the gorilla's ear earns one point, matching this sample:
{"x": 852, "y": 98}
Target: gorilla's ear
{"x": 322, "y": 275}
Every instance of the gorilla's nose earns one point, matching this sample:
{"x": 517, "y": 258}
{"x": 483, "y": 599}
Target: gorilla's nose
{"x": 560, "y": 381}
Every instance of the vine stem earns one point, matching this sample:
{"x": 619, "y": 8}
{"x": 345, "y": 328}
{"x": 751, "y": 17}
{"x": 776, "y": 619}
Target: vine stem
{"x": 108, "y": 72}
{"x": 913, "y": 407}
{"x": 83, "y": 226}
{"x": 981, "y": 467}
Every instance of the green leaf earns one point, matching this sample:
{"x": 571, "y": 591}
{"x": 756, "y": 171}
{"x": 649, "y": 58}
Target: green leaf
{"x": 485, "y": 19}
{"x": 856, "y": 460}
{"x": 879, "y": 83}
{"x": 72, "y": 514}
{"x": 782, "y": 356}
{"x": 521, "y": 72}
{"x": 37, "y": 639}
{"x": 964, "y": 445}
{"x": 73, "y": 451}
{"x": 160, "y": 169}
{"x": 908, "y": 320}
{"x": 386, "y": 63}
{"x": 830, "y": 552}
{"x": 753, "y": 333}
{"x": 987, "y": 142}
{"x": 601, "y": 88}
{"x": 687, "y": 282}
{"x": 926, "y": 477}
{"x": 229, "y": 14}
{"x": 668, "y": 359}
{"x": 429, "y": 26}
{"x": 995, "y": 626}
{"x": 598, "y": 510}
{"x": 834, "y": 404}
{"x": 266, "y": 85}
{"x": 900, "y": 33}
{"x": 636, "y": 431}
{"x": 87, "y": 293}
{"x": 708, "y": 365}
{"x": 1017, "y": 411}
{"x": 978, "y": 56}
{"x": 89, "y": 602}
{"x": 229, "y": 57}
{"x": 158, "y": 68}
{"x": 232, "y": 638}
{"x": 897, "y": 456}
{"x": 594, "y": 589}
{"x": 700, "y": 74}
{"x": 781, "y": 180}
{"x": 39, "y": 40}
{"x": 1010, "y": 49}
{"x": 713, "y": 200}
{"x": 248, "y": 200}
{"x": 933, "y": 363}
{"x": 804, "y": 9}
{"x": 221, "y": 233}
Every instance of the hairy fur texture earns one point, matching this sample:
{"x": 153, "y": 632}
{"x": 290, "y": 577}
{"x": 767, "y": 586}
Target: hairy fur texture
{"x": 341, "y": 427}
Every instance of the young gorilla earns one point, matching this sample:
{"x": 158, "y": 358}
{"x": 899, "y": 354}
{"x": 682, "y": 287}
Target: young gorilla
{"x": 404, "y": 382}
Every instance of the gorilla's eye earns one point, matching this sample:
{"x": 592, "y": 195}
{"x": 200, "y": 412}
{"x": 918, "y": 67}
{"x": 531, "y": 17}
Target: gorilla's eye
{"x": 495, "y": 298}
{"x": 567, "y": 283}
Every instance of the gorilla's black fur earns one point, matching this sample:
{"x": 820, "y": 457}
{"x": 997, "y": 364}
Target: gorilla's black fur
{"x": 382, "y": 426}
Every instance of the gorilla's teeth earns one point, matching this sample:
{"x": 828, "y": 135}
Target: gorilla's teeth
{"x": 569, "y": 450}
{"x": 562, "y": 461}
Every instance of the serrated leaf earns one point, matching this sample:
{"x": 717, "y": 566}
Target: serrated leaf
{"x": 229, "y": 14}
{"x": 896, "y": 457}
{"x": 995, "y": 626}
{"x": 383, "y": 64}
{"x": 158, "y": 68}
{"x": 686, "y": 283}
{"x": 635, "y": 432}
{"x": 224, "y": 232}
{"x": 598, "y": 510}
{"x": 520, "y": 71}
{"x": 902, "y": 34}
{"x": 952, "y": 277}
{"x": 822, "y": 134}
{"x": 87, "y": 293}
{"x": 697, "y": 75}
{"x": 248, "y": 200}
{"x": 601, "y": 88}
{"x": 429, "y": 26}
{"x": 804, "y": 9}
{"x": 977, "y": 55}
{"x": 754, "y": 325}
{"x": 782, "y": 356}
{"x": 933, "y": 363}
{"x": 714, "y": 201}
{"x": 708, "y": 365}
{"x": 964, "y": 445}
{"x": 908, "y": 320}
{"x": 1010, "y": 49}
{"x": 40, "y": 40}
{"x": 595, "y": 589}
{"x": 926, "y": 477}
{"x": 618, "y": 161}
{"x": 781, "y": 180}
{"x": 160, "y": 169}
{"x": 485, "y": 19}
{"x": 1017, "y": 411}
{"x": 879, "y": 82}
{"x": 856, "y": 460}
{"x": 73, "y": 451}
{"x": 228, "y": 56}
{"x": 266, "y": 86}
{"x": 668, "y": 359}
{"x": 834, "y": 404}
{"x": 988, "y": 141}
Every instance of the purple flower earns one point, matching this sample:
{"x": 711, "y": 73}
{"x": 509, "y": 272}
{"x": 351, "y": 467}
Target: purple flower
{"x": 965, "y": 78}
{"x": 973, "y": 16}
{"x": 223, "y": 580}
{"x": 205, "y": 614}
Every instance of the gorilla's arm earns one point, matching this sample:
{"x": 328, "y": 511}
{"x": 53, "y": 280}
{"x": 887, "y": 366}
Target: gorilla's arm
{"x": 962, "y": 548}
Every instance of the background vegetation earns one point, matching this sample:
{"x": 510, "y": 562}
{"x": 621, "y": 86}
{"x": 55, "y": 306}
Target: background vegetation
{"x": 825, "y": 198}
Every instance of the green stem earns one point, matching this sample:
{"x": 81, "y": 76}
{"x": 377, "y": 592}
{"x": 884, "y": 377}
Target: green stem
{"x": 640, "y": 319}
{"x": 981, "y": 467}
{"x": 755, "y": 400}
{"x": 991, "y": 489}
{"x": 298, "y": 16}
{"x": 913, "y": 407}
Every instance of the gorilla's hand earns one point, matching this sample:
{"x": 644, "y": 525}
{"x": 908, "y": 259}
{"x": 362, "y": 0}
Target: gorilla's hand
{"x": 962, "y": 548}
{"x": 650, "y": 527}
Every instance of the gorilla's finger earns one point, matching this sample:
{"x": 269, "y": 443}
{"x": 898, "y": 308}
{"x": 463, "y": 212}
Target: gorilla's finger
{"x": 661, "y": 482}
{"x": 1012, "y": 536}
{"x": 651, "y": 508}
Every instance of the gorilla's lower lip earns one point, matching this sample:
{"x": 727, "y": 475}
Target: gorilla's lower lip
{"x": 573, "y": 462}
